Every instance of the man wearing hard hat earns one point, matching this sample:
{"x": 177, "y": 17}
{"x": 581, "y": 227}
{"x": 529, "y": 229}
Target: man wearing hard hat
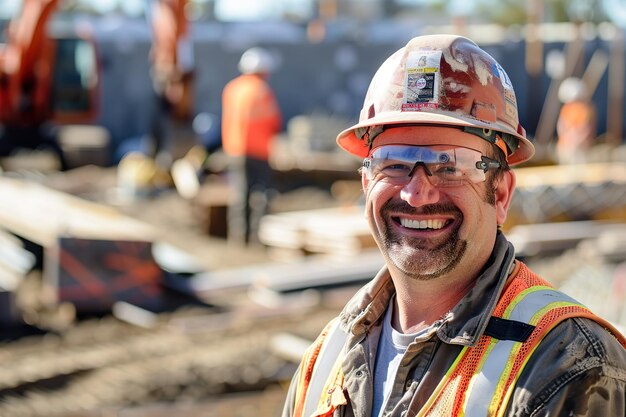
{"x": 453, "y": 325}
{"x": 576, "y": 125}
{"x": 251, "y": 119}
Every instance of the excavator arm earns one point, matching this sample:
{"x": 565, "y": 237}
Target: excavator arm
{"x": 28, "y": 60}
{"x": 50, "y": 77}
{"x": 26, "y": 64}
{"x": 47, "y": 79}
{"x": 171, "y": 55}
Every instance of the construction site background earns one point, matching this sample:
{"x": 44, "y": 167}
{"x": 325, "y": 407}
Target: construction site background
{"x": 119, "y": 292}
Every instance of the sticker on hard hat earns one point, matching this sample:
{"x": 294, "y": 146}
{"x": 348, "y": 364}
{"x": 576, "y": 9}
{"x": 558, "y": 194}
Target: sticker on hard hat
{"x": 510, "y": 102}
{"x": 421, "y": 80}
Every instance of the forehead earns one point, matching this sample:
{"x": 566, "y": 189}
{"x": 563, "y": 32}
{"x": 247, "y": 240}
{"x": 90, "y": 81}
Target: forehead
{"x": 429, "y": 135}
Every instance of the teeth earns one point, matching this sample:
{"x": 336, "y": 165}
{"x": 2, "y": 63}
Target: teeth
{"x": 422, "y": 224}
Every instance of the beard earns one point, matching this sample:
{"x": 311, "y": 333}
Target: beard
{"x": 422, "y": 259}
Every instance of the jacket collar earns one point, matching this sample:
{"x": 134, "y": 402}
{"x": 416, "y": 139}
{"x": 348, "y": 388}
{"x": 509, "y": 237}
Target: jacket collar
{"x": 464, "y": 324}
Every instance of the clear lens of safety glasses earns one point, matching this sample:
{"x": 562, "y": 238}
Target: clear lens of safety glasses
{"x": 446, "y": 166}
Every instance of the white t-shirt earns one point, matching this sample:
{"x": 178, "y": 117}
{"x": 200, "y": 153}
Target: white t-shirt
{"x": 391, "y": 348}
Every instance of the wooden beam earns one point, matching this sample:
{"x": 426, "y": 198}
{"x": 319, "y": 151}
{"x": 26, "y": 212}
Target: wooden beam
{"x": 534, "y": 43}
{"x": 550, "y": 111}
{"x": 319, "y": 272}
{"x": 42, "y": 215}
{"x": 595, "y": 70}
{"x": 544, "y": 238}
{"x": 557, "y": 175}
{"x": 615, "y": 108}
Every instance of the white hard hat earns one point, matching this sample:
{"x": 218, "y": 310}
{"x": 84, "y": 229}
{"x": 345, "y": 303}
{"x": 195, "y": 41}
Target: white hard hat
{"x": 441, "y": 80}
{"x": 256, "y": 60}
{"x": 572, "y": 88}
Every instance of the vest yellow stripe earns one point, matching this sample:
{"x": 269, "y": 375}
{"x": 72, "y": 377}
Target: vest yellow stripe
{"x": 479, "y": 402}
{"x": 444, "y": 381}
{"x": 521, "y": 296}
{"x": 505, "y": 373}
{"x": 492, "y": 344}
{"x": 502, "y": 397}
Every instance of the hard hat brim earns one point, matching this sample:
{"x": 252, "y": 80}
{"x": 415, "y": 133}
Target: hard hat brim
{"x": 348, "y": 140}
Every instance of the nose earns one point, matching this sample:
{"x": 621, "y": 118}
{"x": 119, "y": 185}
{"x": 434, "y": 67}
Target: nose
{"x": 418, "y": 191}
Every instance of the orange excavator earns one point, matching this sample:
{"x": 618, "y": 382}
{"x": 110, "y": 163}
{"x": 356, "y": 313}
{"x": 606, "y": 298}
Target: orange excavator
{"x": 43, "y": 80}
{"x": 47, "y": 80}
{"x": 171, "y": 57}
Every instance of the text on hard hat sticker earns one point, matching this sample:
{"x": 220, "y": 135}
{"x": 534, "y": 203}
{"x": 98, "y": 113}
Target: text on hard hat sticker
{"x": 510, "y": 102}
{"x": 421, "y": 80}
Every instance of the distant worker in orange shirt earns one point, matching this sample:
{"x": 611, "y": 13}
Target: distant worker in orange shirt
{"x": 576, "y": 126}
{"x": 251, "y": 120}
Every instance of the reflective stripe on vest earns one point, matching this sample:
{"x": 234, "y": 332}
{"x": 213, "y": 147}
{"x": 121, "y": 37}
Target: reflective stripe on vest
{"x": 326, "y": 365}
{"x": 320, "y": 374}
{"x": 494, "y": 373}
{"x": 482, "y": 378}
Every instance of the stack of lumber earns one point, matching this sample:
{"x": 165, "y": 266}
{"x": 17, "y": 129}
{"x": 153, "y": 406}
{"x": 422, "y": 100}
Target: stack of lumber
{"x": 319, "y": 271}
{"x": 15, "y": 263}
{"x": 42, "y": 215}
{"x": 569, "y": 193}
{"x": 341, "y": 231}
{"x": 591, "y": 269}
{"x": 549, "y": 238}
{"x": 93, "y": 255}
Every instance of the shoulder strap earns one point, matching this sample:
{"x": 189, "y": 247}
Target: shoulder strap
{"x": 328, "y": 356}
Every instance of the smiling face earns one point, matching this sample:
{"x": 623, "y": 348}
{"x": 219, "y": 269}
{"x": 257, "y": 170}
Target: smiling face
{"x": 425, "y": 231}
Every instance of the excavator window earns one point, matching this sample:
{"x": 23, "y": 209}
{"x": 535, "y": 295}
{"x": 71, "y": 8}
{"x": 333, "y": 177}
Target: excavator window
{"x": 75, "y": 79}
{"x": 75, "y": 75}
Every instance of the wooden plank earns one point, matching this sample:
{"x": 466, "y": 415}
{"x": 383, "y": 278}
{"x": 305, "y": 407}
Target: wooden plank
{"x": 615, "y": 105}
{"x": 569, "y": 193}
{"x": 550, "y": 111}
{"x": 338, "y": 230}
{"x": 309, "y": 272}
{"x": 534, "y": 239}
{"x": 94, "y": 255}
{"x": 15, "y": 261}
{"x": 534, "y": 43}
{"x": 554, "y": 175}
{"x": 595, "y": 71}
{"x": 42, "y": 215}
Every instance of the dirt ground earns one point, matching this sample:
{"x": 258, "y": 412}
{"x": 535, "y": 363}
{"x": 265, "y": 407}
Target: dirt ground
{"x": 201, "y": 359}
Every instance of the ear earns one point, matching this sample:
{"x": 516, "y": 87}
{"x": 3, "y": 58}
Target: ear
{"x": 504, "y": 193}
{"x": 364, "y": 180}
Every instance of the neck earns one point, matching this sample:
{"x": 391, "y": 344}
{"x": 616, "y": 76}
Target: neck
{"x": 421, "y": 303}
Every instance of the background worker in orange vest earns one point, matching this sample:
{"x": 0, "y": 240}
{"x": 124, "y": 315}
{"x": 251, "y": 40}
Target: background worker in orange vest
{"x": 576, "y": 125}
{"x": 453, "y": 324}
{"x": 251, "y": 120}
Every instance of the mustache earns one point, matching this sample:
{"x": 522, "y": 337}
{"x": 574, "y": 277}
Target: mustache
{"x": 400, "y": 206}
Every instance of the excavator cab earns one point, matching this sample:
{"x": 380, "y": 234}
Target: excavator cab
{"x": 47, "y": 81}
{"x": 74, "y": 83}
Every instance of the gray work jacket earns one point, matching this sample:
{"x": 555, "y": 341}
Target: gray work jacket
{"x": 579, "y": 369}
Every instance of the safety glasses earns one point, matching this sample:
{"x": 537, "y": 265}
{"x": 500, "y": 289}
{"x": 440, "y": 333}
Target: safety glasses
{"x": 446, "y": 166}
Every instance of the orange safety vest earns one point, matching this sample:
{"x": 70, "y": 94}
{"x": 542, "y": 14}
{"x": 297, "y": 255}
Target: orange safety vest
{"x": 482, "y": 378}
{"x": 250, "y": 117}
{"x": 576, "y": 125}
